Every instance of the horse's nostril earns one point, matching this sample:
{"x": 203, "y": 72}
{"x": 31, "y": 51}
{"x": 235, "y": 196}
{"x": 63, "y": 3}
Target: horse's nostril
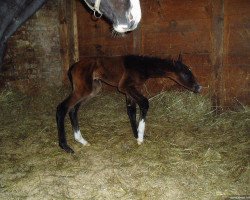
{"x": 130, "y": 17}
{"x": 132, "y": 23}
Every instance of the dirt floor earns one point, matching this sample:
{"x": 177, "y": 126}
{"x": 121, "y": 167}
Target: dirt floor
{"x": 189, "y": 152}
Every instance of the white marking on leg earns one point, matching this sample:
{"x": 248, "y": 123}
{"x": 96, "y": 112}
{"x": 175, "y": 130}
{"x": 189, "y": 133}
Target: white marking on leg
{"x": 141, "y": 129}
{"x": 79, "y": 138}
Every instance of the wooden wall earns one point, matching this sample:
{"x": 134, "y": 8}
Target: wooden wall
{"x": 236, "y": 48}
{"x": 213, "y": 36}
{"x": 33, "y": 59}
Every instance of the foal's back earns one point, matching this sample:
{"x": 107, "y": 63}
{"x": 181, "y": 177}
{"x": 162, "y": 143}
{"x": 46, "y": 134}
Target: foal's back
{"x": 107, "y": 69}
{"x": 116, "y": 70}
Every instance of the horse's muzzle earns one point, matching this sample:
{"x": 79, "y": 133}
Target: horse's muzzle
{"x": 123, "y": 28}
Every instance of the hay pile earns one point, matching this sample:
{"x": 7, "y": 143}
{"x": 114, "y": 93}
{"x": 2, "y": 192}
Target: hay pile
{"x": 189, "y": 152}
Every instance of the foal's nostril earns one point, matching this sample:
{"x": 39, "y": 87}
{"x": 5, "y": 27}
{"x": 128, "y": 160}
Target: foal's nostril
{"x": 198, "y": 88}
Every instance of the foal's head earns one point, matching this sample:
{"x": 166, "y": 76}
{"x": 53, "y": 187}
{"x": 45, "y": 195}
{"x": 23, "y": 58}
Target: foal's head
{"x": 124, "y": 15}
{"x": 184, "y": 76}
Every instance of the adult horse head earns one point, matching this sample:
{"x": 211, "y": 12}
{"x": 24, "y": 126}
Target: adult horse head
{"x": 124, "y": 15}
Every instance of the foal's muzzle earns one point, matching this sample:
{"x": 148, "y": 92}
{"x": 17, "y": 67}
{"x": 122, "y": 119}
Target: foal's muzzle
{"x": 197, "y": 88}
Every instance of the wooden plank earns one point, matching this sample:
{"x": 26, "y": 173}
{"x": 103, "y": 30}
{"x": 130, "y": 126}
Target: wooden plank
{"x": 236, "y": 70}
{"x": 213, "y": 35}
{"x": 217, "y": 35}
{"x": 75, "y": 30}
{"x": 63, "y": 30}
{"x": 171, "y": 43}
{"x": 68, "y": 35}
{"x": 167, "y": 10}
{"x": 72, "y": 31}
{"x": 238, "y": 7}
{"x": 237, "y": 35}
{"x": 237, "y": 85}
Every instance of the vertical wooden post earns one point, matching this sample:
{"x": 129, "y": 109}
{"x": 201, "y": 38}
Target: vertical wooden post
{"x": 217, "y": 55}
{"x": 75, "y": 32}
{"x": 137, "y": 40}
{"x": 63, "y": 30}
{"x": 72, "y": 31}
{"x": 68, "y": 35}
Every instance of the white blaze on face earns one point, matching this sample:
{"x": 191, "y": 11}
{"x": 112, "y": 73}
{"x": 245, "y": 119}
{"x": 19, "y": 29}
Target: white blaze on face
{"x": 134, "y": 17}
{"x": 79, "y": 138}
{"x": 141, "y": 129}
{"x": 135, "y": 11}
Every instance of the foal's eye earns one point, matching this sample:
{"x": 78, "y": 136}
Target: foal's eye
{"x": 185, "y": 76}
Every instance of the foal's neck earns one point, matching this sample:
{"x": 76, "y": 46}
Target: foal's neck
{"x": 150, "y": 67}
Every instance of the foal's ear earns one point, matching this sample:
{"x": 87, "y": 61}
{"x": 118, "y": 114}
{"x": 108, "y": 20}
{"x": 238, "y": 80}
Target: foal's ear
{"x": 180, "y": 57}
{"x": 173, "y": 61}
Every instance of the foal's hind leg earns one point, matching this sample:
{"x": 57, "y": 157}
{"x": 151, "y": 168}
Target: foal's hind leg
{"x": 62, "y": 109}
{"x": 96, "y": 87}
{"x": 61, "y": 112}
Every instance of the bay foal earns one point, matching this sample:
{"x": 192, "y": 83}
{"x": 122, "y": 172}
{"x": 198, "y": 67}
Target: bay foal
{"x": 127, "y": 74}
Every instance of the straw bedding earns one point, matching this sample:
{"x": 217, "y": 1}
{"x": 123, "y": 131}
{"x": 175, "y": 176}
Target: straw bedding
{"x": 188, "y": 153}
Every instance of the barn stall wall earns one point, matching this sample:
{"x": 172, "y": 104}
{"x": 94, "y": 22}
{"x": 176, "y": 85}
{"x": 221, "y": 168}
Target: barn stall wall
{"x": 33, "y": 56}
{"x": 13, "y": 13}
{"x": 213, "y": 36}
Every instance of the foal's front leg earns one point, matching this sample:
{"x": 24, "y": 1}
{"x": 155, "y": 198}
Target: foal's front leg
{"x": 144, "y": 106}
{"x": 143, "y": 113}
{"x": 131, "y": 111}
{"x": 75, "y": 125}
{"x": 61, "y": 112}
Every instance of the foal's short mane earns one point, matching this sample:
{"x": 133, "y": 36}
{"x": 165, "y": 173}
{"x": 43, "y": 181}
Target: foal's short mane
{"x": 150, "y": 60}
{"x": 148, "y": 64}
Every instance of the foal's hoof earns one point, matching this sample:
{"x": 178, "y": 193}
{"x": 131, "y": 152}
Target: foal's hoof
{"x": 139, "y": 142}
{"x": 66, "y": 148}
{"x": 87, "y": 144}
